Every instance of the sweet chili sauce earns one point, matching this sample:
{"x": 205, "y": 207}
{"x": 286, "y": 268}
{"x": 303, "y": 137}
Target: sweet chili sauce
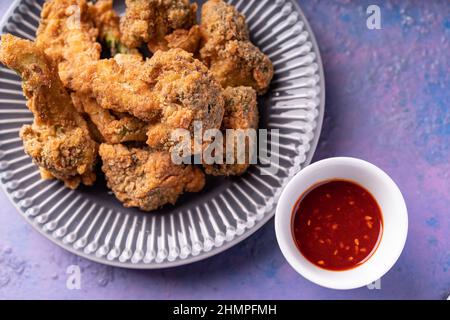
{"x": 337, "y": 225}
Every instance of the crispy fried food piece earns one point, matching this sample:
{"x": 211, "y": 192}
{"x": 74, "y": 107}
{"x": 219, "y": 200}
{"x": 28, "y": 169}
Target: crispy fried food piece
{"x": 112, "y": 128}
{"x": 152, "y": 20}
{"x": 172, "y": 90}
{"x": 227, "y": 49}
{"x": 241, "y": 108}
{"x": 136, "y": 25}
{"x": 241, "y": 113}
{"x": 58, "y": 140}
{"x": 240, "y": 63}
{"x": 188, "y": 40}
{"x": 145, "y": 179}
{"x": 67, "y": 34}
{"x": 186, "y": 92}
{"x": 107, "y": 21}
{"x": 221, "y": 23}
{"x": 121, "y": 85}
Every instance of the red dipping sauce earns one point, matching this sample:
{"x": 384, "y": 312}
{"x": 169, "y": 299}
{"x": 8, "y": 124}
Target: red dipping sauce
{"x": 337, "y": 225}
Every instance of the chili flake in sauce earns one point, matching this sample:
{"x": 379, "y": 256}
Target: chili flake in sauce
{"x": 337, "y": 225}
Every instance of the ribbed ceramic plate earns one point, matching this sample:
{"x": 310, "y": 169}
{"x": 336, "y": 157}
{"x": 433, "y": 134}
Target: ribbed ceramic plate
{"x": 90, "y": 222}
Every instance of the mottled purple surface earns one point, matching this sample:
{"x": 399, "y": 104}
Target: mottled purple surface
{"x": 388, "y": 102}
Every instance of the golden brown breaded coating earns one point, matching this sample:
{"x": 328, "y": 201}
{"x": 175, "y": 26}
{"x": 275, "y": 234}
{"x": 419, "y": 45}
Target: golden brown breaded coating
{"x": 122, "y": 87}
{"x": 171, "y": 90}
{"x": 186, "y": 92}
{"x": 188, "y": 40}
{"x": 112, "y": 128}
{"x": 145, "y": 179}
{"x": 58, "y": 140}
{"x": 93, "y": 130}
{"x": 241, "y": 108}
{"x": 241, "y": 112}
{"x": 152, "y": 20}
{"x": 106, "y": 20}
{"x": 136, "y": 25}
{"x": 73, "y": 23}
{"x": 221, "y": 23}
{"x": 227, "y": 49}
{"x": 240, "y": 63}
{"x": 59, "y": 18}
{"x": 68, "y": 35}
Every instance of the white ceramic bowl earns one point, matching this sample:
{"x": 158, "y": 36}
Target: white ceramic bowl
{"x": 390, "y": 200}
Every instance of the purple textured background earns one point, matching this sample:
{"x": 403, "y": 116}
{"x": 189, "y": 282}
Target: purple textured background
{"x": 388, "y": 102}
